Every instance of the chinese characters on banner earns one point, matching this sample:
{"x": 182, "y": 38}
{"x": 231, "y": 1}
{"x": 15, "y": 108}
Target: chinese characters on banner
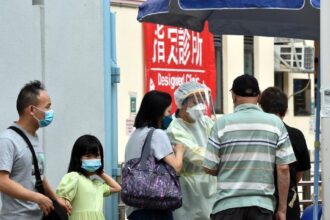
{"x": 175, "y": 55}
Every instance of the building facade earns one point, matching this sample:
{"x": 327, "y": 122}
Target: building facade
{"x": 234, "y": 56}
{"x": 61, "y": 43}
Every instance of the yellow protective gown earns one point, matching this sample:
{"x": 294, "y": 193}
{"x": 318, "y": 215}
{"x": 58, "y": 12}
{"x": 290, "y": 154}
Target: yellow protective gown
{"x": 198, "y": 188}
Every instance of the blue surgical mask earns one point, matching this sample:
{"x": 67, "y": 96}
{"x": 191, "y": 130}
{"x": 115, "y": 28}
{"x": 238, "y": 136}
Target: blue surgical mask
{"x": 49, "y": 116}
{"x": 166, "y": 121}
{"x": 91, "y": 165}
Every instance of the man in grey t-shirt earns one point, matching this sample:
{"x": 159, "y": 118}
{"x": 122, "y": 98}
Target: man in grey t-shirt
{"x": 20, "y": 200}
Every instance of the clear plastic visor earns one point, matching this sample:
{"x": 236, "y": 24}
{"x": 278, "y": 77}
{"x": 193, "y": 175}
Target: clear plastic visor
{"x": 201, "y": 101}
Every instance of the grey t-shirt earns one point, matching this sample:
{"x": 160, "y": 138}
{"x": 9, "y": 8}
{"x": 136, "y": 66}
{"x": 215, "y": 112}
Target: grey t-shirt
{"x": 160, "y": 144}
{"x": 16, "y": 158}
{"x": 160, "y": 148}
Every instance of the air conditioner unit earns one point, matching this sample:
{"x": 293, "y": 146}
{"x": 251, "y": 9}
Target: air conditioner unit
{"x": 294, "y": 59}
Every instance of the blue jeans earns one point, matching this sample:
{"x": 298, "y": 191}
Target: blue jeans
{"x": 145, "y": 214}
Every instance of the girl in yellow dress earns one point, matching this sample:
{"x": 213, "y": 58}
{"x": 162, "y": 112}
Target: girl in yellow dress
{"x": 86, "y": 183}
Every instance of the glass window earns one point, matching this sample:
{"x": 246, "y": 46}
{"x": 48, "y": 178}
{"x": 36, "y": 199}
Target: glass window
{"x": 219, "y": 74}
{"x": 248, "y": 55}
{"x": 279, "y": 80}
{"x": 302, "y": 97}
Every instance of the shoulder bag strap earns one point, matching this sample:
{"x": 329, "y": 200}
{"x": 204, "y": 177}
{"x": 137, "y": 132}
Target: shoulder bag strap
{"x": 145, "y": 153}
{"x": 146, "y": 150}
{"x": 39, "y": 184}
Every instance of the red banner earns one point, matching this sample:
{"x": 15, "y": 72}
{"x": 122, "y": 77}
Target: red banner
{"x": 175, "y": 55}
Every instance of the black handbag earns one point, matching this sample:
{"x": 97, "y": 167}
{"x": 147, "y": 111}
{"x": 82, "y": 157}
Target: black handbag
{"x": 148, "y": 183}
{"x": 58, "y": 213}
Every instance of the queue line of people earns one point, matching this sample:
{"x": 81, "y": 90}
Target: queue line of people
{"x": 244, "y": 165}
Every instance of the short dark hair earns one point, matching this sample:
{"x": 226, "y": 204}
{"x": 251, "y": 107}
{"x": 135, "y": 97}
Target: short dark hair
{"x": 29, "y": 95}
{"x": 153, "y": 106}
{"x": 86, "y": 144}
{"x": 274, "y": 100}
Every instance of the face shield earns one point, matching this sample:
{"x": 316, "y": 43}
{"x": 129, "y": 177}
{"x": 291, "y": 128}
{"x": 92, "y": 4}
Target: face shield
{"x": 200, "y": 105}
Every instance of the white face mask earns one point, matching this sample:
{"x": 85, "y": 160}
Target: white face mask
{"x": 197, "y": 111}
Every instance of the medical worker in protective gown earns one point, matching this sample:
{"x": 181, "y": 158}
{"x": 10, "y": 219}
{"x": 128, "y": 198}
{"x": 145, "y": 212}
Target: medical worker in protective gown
{"x": 191, "y": 127}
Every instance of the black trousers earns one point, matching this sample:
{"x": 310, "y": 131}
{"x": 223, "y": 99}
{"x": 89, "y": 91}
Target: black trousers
{"x": 144, "y": 214}
{"x": 244, "y": 213}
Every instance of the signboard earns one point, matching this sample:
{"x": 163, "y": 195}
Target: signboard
{"x": 132, "y": 99}
{"x": 175, "y": 55}
{"x": 325, "y": 102}
{"x": 130, "y": 125}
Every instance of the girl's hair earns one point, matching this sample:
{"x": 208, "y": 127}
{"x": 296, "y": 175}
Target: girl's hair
{"x": 86, "y": 144}
{"x": 153, "y": 106}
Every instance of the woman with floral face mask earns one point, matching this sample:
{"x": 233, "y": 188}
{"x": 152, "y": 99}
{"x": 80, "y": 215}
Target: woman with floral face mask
{"x": 191, "y": 127}
{"x": 86, "y": 183}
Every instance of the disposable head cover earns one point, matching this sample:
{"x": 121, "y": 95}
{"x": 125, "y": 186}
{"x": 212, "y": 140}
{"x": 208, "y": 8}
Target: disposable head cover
{"x": 198, "y": 99}
{"x": 187, "y": 89}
